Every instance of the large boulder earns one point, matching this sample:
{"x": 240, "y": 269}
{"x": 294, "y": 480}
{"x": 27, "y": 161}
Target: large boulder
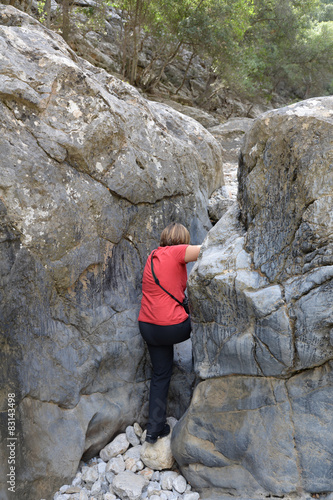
{"x": 90, "y": 174}
{"x": 260, "y": 424}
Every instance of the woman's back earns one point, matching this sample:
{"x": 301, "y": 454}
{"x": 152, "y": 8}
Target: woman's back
{"x": 170, "y": 269}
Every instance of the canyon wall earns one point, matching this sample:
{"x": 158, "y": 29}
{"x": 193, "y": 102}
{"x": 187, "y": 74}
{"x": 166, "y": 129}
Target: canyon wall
{"x": 90, "y": 174}
{"x": 260, "y": 422}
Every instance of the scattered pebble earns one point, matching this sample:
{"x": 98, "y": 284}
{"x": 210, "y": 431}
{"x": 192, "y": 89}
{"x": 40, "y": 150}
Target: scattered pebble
{"x": 120, "y": 474}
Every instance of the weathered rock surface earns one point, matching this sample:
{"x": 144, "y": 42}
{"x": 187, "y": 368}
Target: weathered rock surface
{"x": 90, "y": 174}
{"x": 262, "y": 311}
{"x": 230, "y": 136}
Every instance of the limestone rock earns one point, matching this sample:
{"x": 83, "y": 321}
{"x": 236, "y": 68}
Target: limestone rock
{"x": 134, "y": 453}
{"x": 259, "y": 290}
{"x": 154, "y": 488}
{"x": 91, "y": 173}
{"x": 248, "y": 446}
{"x": 219, "y": 203}
{"x": 230, "y": 135}
{"x": 192, "y": 496}
{"x": 90, "y": 475}
{"x": 109, "y": 496}
{"x": 262, "y": 300}
{"x": 116, "y": 465}
{"x": 159, "y": 455}
{"x": 118, "y": 446}
{"x": 128, "y": 486}
{"x": 132, "y": 438}
{"x": 147, "y": 473}
{"x": 137, "y": 429}
{"x": 179, "y": 484}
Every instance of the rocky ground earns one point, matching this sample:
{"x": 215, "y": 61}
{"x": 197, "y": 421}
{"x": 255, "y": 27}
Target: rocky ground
{"x": 127, "y": 469}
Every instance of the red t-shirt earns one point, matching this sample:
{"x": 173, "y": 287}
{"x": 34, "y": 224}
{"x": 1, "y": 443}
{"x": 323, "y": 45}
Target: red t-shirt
{"x": 157, "y": 306}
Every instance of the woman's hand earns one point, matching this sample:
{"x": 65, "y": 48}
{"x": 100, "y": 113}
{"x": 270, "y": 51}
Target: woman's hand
{"x": 192, "y": 252}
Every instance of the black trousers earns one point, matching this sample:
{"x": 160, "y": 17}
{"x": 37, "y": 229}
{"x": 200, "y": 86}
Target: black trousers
{"x": 160, "y": 341}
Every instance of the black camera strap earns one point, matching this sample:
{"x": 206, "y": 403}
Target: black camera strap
{"x": 158, "y": 283}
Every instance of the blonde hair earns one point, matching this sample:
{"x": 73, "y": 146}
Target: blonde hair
{"x": 174, "y": 234}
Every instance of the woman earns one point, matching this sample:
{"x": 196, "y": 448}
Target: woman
{"x": 163, "y": 320}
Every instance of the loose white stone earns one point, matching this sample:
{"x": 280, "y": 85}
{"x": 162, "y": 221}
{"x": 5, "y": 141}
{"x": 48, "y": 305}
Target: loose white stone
{"x": 131, "y": 436}
{"x": 167, "y": 479}
{"x": 170, "y": 495}
{"x": 101, "y": 480}
{"x": 115, "y": 465}
{"x": 180, "y": 484}
{"x": 117, "y": 447}
{"x": 156, "y": 476}
{"x": 134, "y": 452}
{"x": 90, "y": 475}
{"x": 64, "y": 488}
{"x": 153, "y": 488}
{"x": 139, "y": 465}
{"x": 73, "y": 490}
{"x": 109, "y": 476}
{"x": 128, "y": 486}
{"x": 130, "y": 464}
{"x": 143, "y": 437}
{"x": 146, "y": 473}
{"x": 104, "y": 485}
{"x": 96, "y": 487}
{"x": 137, "y": 429}
{"x": 158, "y": 456}
{"x": 101, "y": 467}
{"x": 77, "y": 481}
{"x": 109, "y": 496}
{"x": 83, "y": 495}
{"x": 191, "y": 496}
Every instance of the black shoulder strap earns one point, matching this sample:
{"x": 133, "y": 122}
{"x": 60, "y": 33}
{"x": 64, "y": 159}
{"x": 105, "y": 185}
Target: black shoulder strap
{"x": 158, "y": 283}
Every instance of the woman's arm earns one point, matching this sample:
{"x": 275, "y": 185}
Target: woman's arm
{"x": 192, "y": 252}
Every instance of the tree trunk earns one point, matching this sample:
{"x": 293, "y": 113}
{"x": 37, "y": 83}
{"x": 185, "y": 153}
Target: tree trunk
{"x": 186, "y": 71}
{"x": 65, "y": 20}
{"x": 157, "y": 80}
{"x": 136, "y": 33}
{"x": 204, "y": 97}
{"x": 48, "y": 13}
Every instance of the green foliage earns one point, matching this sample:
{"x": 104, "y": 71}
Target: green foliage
{"x": 286, "y": 49}
{"x": 326, "y": 11}
{"x": 254, "y": 46}
{"x": 41, "y": 10}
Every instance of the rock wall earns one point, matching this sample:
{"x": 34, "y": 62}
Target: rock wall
{"x": 90, "y": 173}
{"x": 260, "y": 423}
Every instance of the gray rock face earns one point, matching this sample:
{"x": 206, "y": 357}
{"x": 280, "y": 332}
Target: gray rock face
{"x": 262, "y": 301}
{"x": 90, "y": 174}
{"x": 230, "y": 136}
{"x": 257, "y": 436}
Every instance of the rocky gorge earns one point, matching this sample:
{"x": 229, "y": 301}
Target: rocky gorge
{"x": 90, "y": 173}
